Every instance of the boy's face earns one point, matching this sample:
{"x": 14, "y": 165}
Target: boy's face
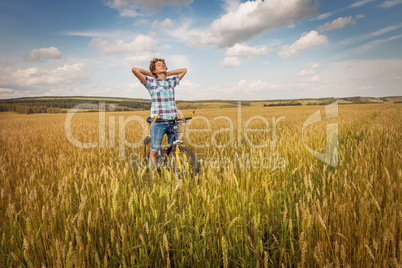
{"x": 160, "y": 67}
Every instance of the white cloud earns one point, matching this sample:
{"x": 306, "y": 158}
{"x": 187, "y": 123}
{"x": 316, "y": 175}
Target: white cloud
{"x": 36, "y": 77}
{"x": 243, "y": 89}
{"x": 140, "y": 59}
{"x": 314, "y": 65}
{"x": 239, "y": 53}
{"x": 305, "y": 72}
{"x": 313, "y": 78}
{"x": 151, "y": 5}
{"x": 367, "y": 36}
{"x": 143, "y": 58}
{"x": 231, "y": 5}
{"x": 42, "y": 54}
{"x": 392, "y": 76}
{"x": 7, "y": 93}
{"x": 382, "y": 31}
{"x": 323, "y": 16}
{"x": 117, "y": 34}
{"x": 167, "y": 23}
{"x": 364, "y": 78}
{"x": 338, "y": 79}
{"x": 6, "y": 90}
{"x": 129, "y": 13}
{"x": 42, "y": 79}
{"x": 177, "y": 61}
{"x": 372, "y": 45}
{"x": 339, "y": 23}
{"x": 391, "y": 3}
{"x": 137, "y": 52}
{"x": 253, "y": 18}
{"x": 183, "y": 31}
{"x": 187, "y": 90}
{"x": 348, "y": 78}
{"x": 140, "y": 44}
{"x": 243, "y": 50}
{"x": 230, "y": 62}
{"x": 306, "y": 41}
{"x": 361, "y": 3}
{"x": 252, "y": 87}
{"x": 309, "y": 74}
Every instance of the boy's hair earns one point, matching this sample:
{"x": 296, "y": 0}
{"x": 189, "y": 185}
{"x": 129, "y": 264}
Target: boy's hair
{"x": 153, "y": 62}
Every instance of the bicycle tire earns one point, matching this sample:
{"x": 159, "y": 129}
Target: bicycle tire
{"x": 147, "y": 149}
{"x": 188, "y": 162}
{"x": 146, "y": 157}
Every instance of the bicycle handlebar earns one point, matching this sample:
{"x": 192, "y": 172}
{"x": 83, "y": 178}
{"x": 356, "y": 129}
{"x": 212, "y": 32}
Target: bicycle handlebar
{"x": 178, "y": 120}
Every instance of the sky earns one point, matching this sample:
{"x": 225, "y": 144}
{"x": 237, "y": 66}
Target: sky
{"x": 232, "y": 49}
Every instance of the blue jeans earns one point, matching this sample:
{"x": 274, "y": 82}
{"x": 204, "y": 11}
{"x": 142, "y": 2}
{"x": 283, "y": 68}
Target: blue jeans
{"x": 158, "y": 130}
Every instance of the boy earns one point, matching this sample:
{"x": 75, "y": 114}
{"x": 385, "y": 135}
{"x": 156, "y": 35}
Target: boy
{"x": 161, "y": 86}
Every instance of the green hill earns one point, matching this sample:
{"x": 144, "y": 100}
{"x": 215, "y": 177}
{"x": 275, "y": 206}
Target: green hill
{"x": 63, "y": 104}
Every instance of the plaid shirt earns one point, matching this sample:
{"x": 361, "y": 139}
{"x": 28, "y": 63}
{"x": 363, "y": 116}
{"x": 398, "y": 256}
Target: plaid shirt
{"x": 163, "y": 96}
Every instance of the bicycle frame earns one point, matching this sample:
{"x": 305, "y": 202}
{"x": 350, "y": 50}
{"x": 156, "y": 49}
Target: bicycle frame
{"x": 176, "y": 143}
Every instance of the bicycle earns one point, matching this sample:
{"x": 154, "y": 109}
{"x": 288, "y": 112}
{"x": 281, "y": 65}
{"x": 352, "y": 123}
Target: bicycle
{"x": 176, "y": 156}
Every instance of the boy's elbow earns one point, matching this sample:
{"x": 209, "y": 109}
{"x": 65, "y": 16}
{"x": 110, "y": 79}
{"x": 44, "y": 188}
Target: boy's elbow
{"x": 136, "y": 71}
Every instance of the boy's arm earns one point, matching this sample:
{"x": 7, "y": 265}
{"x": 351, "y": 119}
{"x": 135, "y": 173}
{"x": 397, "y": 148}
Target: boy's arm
{"x": 140, "y": 74}
{"x": 179, "y": 72}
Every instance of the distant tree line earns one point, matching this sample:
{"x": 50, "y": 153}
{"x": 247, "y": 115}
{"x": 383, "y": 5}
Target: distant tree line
{"x": 136, "y": 104}
{"x": 297, "y": 103}
{"x": 28, "y": 109}
{"x": 283, "y": 104}
{"x": 61, "y": 105}
{"x": 320, "y": 103}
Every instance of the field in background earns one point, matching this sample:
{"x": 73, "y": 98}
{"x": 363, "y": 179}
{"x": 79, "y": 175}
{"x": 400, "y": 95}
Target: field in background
{"x": 32, "y": 105}
{"x": 275, "y": 206}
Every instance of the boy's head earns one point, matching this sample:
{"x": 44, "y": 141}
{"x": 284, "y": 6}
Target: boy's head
{"x": 157, "y": 65}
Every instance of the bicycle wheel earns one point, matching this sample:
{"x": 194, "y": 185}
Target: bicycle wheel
{"x": 147, "y": 149}
{"x": 186, "y": 165}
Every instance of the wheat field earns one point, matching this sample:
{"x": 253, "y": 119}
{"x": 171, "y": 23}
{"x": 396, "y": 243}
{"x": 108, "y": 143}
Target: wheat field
{"x": 274, "y": 206}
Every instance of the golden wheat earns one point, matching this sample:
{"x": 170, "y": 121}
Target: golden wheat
{"x": 271, "y": 206}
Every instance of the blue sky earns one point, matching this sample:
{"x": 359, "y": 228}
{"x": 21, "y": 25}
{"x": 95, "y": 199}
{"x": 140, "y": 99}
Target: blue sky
{"x": 233, "y": 50}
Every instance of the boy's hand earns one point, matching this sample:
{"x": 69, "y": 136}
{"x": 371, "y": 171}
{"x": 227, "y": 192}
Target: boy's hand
{"x": 179, "y": 72}
{"x": 140, "y": 74}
